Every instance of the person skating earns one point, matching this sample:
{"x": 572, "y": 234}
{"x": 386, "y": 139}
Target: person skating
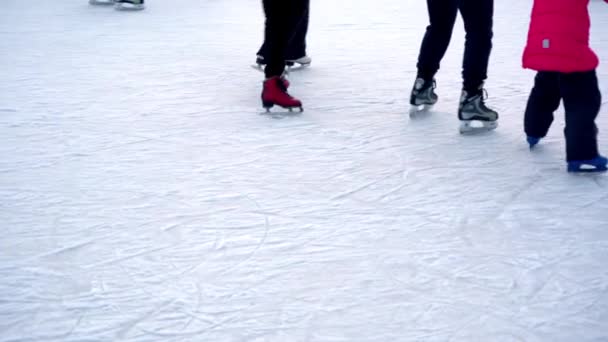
{"x": 565, "y": 66}
{"x": 296, "y": 49}
{"x": 282, "y": 20}
{"x": 478, "y": 21}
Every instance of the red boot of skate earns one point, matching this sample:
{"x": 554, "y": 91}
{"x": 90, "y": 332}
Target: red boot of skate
{"x": 275, "y": 93}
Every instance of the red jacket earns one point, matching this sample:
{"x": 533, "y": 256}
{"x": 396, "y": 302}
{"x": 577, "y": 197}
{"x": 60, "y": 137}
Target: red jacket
{"x": 558, "y": 39}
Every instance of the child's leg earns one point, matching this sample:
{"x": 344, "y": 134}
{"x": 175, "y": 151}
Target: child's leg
{"x": 582, "y": 101}
{"x": 543, "y": 101}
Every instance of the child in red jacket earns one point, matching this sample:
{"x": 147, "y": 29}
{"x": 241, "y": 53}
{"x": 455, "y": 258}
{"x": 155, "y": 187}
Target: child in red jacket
{"x": 558, "y": 48}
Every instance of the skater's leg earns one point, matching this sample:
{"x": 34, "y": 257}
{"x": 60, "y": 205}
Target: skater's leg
{"x": 282, "y": 18}
{"x": 297, "y": 45}
{"x": 442, "y": 16}
{"x": 281, "y": 23}
{"x": 582, "y": 101}
{"x": 477, "y": 16}
{"x": 543, "y": 101}
{"x": 263, "y": 51}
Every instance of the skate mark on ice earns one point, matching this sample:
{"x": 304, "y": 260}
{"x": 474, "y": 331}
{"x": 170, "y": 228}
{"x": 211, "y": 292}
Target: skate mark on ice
{"x": 48, "y": 254}
{"x": 600, "y": 201}
{"x": 218, "y": 244}
{"x": 197, "y": 307}
{"x": 129, "y": 325}
{"x": 462, "y": 230}
{"x": 189, "y": 333}
{"x": 597, "y": 179}
{"x": 464, "y": 225}
{"x": 127, "y": 257}
{"x": 390, "y": 192}
{"x": 514, "y": 196}
{"x": 282, "y": 114}
{"x": 364, "y": 186}
{"x": 260, "y": 244}
{"x": 233, "y": 165}
{"x": 73, "y": 328}
{"x": 173, "y": 226}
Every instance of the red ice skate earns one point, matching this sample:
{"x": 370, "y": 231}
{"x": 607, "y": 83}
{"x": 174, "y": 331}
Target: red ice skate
{"x": 275, "y": 93}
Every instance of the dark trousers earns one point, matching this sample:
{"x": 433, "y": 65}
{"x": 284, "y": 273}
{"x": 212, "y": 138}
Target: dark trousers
{"x": 282, "y": 20}
{"x": 582, "y": 101}
{"x": 477, "y": 16}
{"x": 297, "y": 45}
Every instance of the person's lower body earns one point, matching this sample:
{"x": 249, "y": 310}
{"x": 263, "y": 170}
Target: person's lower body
{"x": 582, "y": 101}
{"x": 282, "y": 20}
{"x": 477, "y": 16}
{"x": 296, "y": 48}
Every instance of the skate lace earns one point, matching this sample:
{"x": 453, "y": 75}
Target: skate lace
{"x": 482, "y": 97}
{"x": 484, "y": 94}
{"x": 282, "y": 87}
{"x": 281, "y": 84}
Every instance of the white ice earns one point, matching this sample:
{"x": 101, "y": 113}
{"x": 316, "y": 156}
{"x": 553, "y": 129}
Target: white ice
{"x": 144, "y": 197}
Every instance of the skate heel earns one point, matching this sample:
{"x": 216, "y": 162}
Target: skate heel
{"x": 267, "y": 105}
{"x": 422, "y": 97}
{"x": 532, "y": 141}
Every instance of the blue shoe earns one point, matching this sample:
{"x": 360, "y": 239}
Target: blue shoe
{"x": 532, "y": 141}
{"x": 597, "y": 164}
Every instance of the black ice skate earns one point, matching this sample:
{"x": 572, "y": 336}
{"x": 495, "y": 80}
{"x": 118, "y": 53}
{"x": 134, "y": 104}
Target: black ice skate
{"x": 123, "y": 5}
{"x": 474, "y": 115}
{"x": 423, "y": 95}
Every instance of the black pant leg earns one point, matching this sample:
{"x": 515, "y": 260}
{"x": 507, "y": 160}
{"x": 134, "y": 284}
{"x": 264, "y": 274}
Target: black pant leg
{"x": 442, "y": 16}
{"x": 478, "y": 22}
{"x": 297, "y": 45}
{"x": 582, "y": 102}
{"x": 543, "y": 101}
{"x": 282, "y": 17}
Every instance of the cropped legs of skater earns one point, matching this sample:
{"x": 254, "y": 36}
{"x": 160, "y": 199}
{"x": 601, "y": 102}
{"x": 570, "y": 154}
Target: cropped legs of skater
{"x": 282, "y": 20}
{"x": 296, "y": 49}
{"x": 478, "y": 21}
{"x": 582, "y": 101}
{"x": 565, "y": 66}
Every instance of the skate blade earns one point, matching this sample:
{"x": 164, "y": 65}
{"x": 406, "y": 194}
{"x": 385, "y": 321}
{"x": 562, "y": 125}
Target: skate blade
{"x": 585, "y": 168}
{"x": 281, "y": 111}
{"x": 101, "y": 2}
{"x": 298, "y": 67}
{"x": 258, "y": 67}
{"x": 128, "y": 7}
{"x": 476, "y": 126}
{"x": 416, "y": 110}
